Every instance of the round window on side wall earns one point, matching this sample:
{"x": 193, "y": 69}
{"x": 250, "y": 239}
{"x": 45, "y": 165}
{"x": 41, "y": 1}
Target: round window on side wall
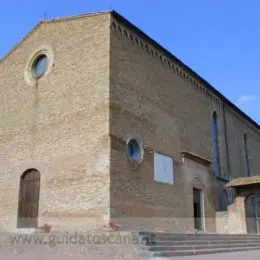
{"x": 134, "y": 149}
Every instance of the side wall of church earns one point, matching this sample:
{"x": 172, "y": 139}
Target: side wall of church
{"x": 154, "y": 98}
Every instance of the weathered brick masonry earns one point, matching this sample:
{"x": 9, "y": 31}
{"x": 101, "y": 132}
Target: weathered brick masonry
{"x": 59, "y": 125}
{"x": 108, "y": 82}
{"x": 156, "y": 97}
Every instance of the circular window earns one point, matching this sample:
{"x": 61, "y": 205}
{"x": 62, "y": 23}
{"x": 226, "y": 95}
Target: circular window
{"x": 39, "y": 66}
{"x": 134, "y": 149}
{"x": 40, "y": 63}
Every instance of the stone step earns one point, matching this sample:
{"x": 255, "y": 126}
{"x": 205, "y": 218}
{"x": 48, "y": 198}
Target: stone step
{"x": 197, "y": 247}
{"x": 197, "y": 242}
{"x": 203, "y": 235}
{"x": 178, "y": 242}
{"x": 198, "y": 238}
{"x": 190, "y": 234}
{"x": 199, "y": 252}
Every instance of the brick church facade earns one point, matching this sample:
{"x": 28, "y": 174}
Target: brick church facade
{"x": 99, "y": 122}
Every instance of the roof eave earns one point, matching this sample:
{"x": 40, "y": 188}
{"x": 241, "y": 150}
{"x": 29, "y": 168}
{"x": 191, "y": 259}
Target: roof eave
{"x": 139, "y": 32}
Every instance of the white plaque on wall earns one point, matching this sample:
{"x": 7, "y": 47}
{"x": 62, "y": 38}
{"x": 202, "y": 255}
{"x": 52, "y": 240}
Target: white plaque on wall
{"x": 163, "y": 168}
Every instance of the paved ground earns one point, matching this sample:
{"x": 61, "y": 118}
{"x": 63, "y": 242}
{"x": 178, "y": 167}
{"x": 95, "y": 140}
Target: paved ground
{"x": 7, "y": 253}
{"x": 246, "y": 255}
{"x": 58, "y": 248}
{"x": 28, "y": 255}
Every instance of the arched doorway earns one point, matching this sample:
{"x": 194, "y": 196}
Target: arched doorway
{"x": 253, "y": 214}
{"x": 29, "y": 199}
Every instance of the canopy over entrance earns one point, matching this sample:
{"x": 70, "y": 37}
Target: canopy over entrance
{"x": 244, "y": 181}
{"x": 246, "y": 206}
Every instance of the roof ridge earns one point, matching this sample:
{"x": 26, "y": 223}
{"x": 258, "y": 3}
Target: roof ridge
{"x": 77, "y": 16}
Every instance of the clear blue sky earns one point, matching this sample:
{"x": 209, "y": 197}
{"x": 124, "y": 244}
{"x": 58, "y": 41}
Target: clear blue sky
{"x": 219, "y": 39}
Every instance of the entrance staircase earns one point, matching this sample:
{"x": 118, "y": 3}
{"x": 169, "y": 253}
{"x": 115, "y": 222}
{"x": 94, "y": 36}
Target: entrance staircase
{"x": 156, "y": 245}
{"x": 144, "y": 245}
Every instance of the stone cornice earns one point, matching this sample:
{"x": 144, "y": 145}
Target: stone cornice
{"x": 196, "y": 158}
{"x": 243, "y": 181}
{"x": 130, "y": 32}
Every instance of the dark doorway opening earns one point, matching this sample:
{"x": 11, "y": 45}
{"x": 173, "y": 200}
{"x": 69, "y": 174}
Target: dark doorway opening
{"x": 29, "y": 199}
{"x": 253, "y": 214}
{"x": 198, "y": 209}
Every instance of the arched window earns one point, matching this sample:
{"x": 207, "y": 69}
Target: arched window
{"x": 246, "y": 156}
{"x": 216, "y": 144}
{"x": 29, "y": 199}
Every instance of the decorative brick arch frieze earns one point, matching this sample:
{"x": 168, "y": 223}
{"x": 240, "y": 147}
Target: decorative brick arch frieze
{"x": 153, "y": 51}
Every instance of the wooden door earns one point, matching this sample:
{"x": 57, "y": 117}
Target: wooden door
{"x": 29, "y": 199}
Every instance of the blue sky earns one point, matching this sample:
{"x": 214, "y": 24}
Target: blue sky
{"x": 219, "y": 39}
